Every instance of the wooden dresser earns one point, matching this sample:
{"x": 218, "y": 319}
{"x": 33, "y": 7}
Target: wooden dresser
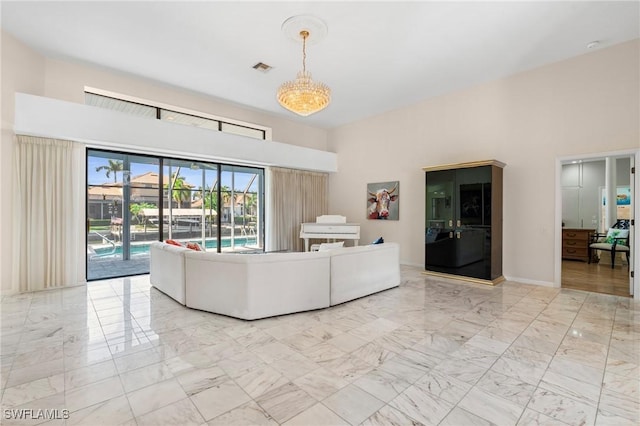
{"x": 575, "y": 243}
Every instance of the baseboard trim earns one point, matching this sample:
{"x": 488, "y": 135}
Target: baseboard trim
{"x": 13, "y": 292}
{"x": 415, "y": 265}
{"x": 466, "y": 279}
{"x": 533, "y": 282}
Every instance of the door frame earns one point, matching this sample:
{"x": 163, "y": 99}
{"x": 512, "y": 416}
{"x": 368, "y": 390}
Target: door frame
{"x": 636, "y": 208}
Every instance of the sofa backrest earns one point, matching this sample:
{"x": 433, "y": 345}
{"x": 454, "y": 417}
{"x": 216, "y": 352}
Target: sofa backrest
{"x": 239, "y": 257}
{"x": 363, "y": 270}
{"x": 343, "y": 251}
{"x": 168, "y": 247}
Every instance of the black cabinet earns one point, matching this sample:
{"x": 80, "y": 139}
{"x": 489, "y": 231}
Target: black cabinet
{"x": 463, "y": 220}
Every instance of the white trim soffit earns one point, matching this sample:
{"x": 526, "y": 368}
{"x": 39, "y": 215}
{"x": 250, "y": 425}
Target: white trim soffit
{"x": 98, "y": 127}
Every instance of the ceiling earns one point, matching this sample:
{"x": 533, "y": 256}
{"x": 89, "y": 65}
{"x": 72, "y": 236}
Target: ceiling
{"x": 376, "y": 57}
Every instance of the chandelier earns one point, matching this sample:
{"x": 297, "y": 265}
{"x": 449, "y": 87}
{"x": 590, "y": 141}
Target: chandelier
{"x": 304, "y": 96}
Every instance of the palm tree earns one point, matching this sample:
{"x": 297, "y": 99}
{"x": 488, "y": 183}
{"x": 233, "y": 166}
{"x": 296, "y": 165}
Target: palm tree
{"x": 137, "y": 208}
{"x": 225, "y": 195}
{"x": 114, "y": 166}
{"x": 250, "y": 203}
{"x": 180, "y": 191}
{"x": 210, "y": 198}
{"x": 199, "y": 193}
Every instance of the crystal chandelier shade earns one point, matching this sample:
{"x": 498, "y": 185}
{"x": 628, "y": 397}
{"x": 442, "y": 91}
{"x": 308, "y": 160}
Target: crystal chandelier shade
{"x": 304, "y": 96}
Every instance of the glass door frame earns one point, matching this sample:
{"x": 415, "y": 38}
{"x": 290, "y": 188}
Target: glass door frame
{"x": 163, "y": 161}
{"x": 124, "y": 234}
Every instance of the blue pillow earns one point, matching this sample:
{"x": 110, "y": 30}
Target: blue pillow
{"x": 378, "y": 241}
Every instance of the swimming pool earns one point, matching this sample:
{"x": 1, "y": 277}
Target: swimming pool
{"x": 142, "y": 249}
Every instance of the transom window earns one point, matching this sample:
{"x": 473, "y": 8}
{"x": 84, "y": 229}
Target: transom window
{"x": 176, "y": 115}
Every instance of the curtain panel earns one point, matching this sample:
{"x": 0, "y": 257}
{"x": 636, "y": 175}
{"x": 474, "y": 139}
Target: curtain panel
{"x": 294, "y": 197}
{"x": 48, "y": 214}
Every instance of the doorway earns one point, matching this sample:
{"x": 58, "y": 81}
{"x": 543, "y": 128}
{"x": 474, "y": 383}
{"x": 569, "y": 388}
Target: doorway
{"x": 586, "y": 186}
{"x": 114, "y": 212}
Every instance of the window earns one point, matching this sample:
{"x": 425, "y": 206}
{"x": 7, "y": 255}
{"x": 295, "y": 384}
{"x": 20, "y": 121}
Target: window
{"x": 189, "y": 120}
{"x": 175, "y": 115}
{"x": 119, "y": 105}
{"x": 242, "y": 130}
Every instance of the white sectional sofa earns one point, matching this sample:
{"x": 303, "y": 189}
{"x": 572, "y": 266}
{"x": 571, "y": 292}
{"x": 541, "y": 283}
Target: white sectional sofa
{"x": 251, "y": 286}
{"x": 260, "y": 285}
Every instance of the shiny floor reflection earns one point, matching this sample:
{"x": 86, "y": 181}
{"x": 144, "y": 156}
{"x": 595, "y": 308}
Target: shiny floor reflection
{"x": 429, "y": 352}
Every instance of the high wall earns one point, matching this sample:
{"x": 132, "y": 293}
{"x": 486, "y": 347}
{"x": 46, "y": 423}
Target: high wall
{"x": 24, "y": 70}
{"x": 588, "y": 104}
{"x": 584, "y": 105}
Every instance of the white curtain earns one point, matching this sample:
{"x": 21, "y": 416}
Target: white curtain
{"x": 49, "y": 214}
{"x": 293, "y": 197}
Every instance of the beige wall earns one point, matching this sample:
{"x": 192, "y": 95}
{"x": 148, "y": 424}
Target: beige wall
{"x": 22, "y": 71}
{"x": 587, "y": 104}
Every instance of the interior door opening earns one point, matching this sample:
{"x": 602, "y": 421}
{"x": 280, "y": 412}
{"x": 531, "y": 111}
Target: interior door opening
{"x": 597, "y": 197}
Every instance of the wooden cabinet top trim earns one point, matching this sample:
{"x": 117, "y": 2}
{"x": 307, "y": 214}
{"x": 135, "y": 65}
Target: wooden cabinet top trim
{"x": 465, "y": 165}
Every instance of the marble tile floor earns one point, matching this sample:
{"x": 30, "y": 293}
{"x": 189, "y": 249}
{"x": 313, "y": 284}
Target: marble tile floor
{"x": 432, "y": 351}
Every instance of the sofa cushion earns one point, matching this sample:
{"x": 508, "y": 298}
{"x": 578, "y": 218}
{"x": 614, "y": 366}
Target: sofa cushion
{"x": 607, "y": 246}
{"x": 193, "y": 246}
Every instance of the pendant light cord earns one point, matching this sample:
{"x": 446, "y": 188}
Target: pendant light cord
{"x": 304, "y": 34}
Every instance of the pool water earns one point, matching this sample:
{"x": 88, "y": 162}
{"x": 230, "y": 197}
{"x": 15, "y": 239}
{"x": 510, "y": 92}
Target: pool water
{"x": 141, "y": 249}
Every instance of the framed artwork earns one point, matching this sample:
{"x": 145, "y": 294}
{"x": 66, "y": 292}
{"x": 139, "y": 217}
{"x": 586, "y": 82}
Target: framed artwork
{"x": 382, "y": 200}
{"x": 623, "y": 204}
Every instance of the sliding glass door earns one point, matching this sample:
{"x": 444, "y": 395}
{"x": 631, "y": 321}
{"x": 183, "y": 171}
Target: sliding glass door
{"x": 190, "y": 202}
{"x": 122, "y": 194}
{"x": 242, "y": 223}
{"x": 217, "y": 206}
{"x": 135, "y": 199}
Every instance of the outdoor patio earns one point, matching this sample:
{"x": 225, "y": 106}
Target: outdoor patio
{"x": 98, "y": 269}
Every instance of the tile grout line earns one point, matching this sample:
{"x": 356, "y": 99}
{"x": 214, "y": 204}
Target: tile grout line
{"x": 554, "y": 354}
{"x": 488, "y": 369}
